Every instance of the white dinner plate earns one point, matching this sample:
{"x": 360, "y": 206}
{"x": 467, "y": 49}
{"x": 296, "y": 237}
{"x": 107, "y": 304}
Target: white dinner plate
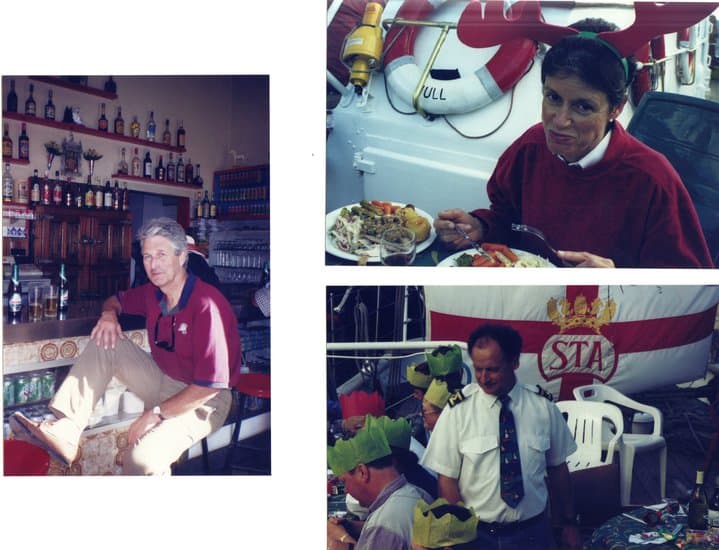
{"x": 332, "y": 249}
{"x": 449, "y": 261}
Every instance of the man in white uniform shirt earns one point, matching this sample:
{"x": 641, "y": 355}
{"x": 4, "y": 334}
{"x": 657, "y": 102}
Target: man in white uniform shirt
{"x": 465, "y": 452}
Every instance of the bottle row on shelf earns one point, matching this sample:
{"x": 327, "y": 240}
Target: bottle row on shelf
{"x": 230, "y": 194}
{"x": 180, "y": 172}
{"x": 72, "y": 115}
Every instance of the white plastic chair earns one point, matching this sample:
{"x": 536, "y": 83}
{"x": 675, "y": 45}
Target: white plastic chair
{"x": 585, "y": 421}
{"x": 631, "y": 443}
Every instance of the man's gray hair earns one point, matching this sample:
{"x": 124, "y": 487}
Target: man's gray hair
{"x": 168, "y": 228}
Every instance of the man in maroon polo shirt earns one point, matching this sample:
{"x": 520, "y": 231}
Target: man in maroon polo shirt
{"x": 184, "y": 381}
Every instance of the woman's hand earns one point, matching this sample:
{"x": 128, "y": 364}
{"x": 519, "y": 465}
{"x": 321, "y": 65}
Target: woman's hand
{"x": 585, "y": 259}
{"x": 444, "y": 225}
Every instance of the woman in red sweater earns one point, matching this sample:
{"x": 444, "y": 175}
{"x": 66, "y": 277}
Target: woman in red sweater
{"x": 599, "y": 195}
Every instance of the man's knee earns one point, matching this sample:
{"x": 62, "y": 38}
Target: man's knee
{"x": 142, "y": 460}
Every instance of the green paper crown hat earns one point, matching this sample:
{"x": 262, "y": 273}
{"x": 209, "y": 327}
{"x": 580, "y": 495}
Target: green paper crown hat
{"x": 398, "y": 432}
{"x": 437, "y": 393}
{"x": 418, "y": 379}
{"x": 367, "y": 445}
{"x": 442, "y": 524}
{"x": 444, "y": 360}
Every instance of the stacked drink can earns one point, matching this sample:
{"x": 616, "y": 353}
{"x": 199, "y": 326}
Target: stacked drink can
{"x": 30, "y": 387}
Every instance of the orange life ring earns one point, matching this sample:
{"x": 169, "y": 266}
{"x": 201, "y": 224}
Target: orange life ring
{"x": 458, "y": 95}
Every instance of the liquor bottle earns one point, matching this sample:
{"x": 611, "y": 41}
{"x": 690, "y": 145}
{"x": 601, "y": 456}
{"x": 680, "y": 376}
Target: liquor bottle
{"x": 119, "y": 125}
{"x": 30, "y": 106}
{"x": 12, "y": 98}
{"x": 14, "y": 296}
{"x": 21, "y": 192}
{"x": 6, "y": 143}
{"x": 135, "y": 127}
{"x": 136, "y": 165}
{"x": 180, "y": 171}
{"x": 166, "y": 135}
{"x": 213, "y": 207}
{"x": 35, "y": 189}
{"x": 116, "y": 199}
{"x": 102, "y": 121}
{"x": 713, "y": 507}
{"x": 89, "y": 201}
{"x": 110, "y": 86}
{"x": 46, "y": 192}
{"x": 125, "y": 198}
{"x": 198, "y": 178}
{"x": 57, "y": 193}
{"x": 99, "y": 194}
{"x": 79, "y": 196}
{"x": 189, "y": 172}
{"x": 170, "y": 170}
{"x": 160, "y": 170}
{"x": 181, "y": 136}
{"x": 63, "y": 290}
{"x": 698, "y": 505}
{"x": 107, "y": 196}
{"x": 23, "y": 144}
{"x": 147, "y": 166}
{"x": 205, "y": 206}
{"x": 151, "y": 127}
{"x": 122, "y": 168}
{"x": 198, "y": 205}
{"x": 8, "y": 185}
{"x": 49, "y": 107}
{"x": 69, "y": 193}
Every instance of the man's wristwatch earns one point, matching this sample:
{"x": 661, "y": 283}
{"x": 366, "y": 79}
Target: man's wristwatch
{"x": 156, "y": 410}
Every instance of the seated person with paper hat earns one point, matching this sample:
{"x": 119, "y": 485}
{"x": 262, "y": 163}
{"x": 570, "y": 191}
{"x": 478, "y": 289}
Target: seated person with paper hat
{"x": 443, "y": 525}
{"x": 435, "y": 399}
{"x": 365, "y": 465}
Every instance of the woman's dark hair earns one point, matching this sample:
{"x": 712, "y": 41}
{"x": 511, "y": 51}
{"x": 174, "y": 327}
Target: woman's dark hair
{"x": 591, "y": 60}
{"x": 508, "y": 340}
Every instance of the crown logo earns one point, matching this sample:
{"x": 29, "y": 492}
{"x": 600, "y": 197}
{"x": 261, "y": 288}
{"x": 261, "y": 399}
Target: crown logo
{"x": 568, "y": 316}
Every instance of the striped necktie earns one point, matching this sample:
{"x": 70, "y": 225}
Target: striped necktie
{"x": 510, "y": 469}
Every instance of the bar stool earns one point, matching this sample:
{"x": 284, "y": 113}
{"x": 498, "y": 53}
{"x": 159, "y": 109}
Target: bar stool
{"x": 24, "y": 459}
{"x": 251, "y": 384}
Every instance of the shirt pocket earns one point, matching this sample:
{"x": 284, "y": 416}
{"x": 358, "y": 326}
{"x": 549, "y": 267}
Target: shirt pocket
{"x": 479, "y": 447}
{"x": 534, "y": 459}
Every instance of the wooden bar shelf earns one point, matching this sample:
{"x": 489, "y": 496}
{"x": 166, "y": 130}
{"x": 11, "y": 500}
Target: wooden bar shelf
{"x": 80, "y": 129}
{"x": 62, "y": 83}
{"x": 14, "y": 160}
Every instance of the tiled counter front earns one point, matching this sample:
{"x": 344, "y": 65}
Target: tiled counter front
{"x": 100, "y": 446}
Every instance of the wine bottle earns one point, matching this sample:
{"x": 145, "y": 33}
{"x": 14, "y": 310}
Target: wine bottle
{"x": 181, "y": 136}
{"x": 46, "y": 192}
{"x": 698, "y": 505}
{"x": 63, "y": 290}
{"x": 213, "y": 207}
{"x": 151, "y": 127}
{"x": 189, "y": 172}
{"x": 160, "y": 170}
{"x": 102, "y": 121}
{"x": 49, "y": 107}
{"x": 6, "y": 142}
{"x": 107, "y": 197}
{"x": 135, "y": 127}
{"x": 166, "y": 135}
{"x": 57, "y": 193}
{"x": 198, "y": 205}
{"x": 69, "y": 193}
{"x": 35, "y": 189}
{"x": 23, "y": 144}
{"x": 205, "y": 206}
{"x": 122, "y": 167}
{"x": 89, "y": 201}
{"x": 170, "y": 170}
{"x": 116, "y": 196}
{"x": 125, "y": 198}
{"x": 136, "y": 165}
{"x": 119, "y": 125}
{"x": 14, "y": 296}
{"x": 12, "y": 98}
{"x": 99, "y": 194}
{"x": 147, "y": 166}
{"x": 78, "y": 195}
{"x": 30, "y": 106}
{"x": 198, "y": 178}
{"x": 8, "y": 185}
{"x": 180, "y": 171}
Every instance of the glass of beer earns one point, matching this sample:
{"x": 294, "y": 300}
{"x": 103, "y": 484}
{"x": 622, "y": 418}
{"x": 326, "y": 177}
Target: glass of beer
{"x": 35, "y": 303}
{"x": 397, "y": 246}
{"x": 51, "y": 302}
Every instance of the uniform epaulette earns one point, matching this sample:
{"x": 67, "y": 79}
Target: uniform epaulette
{"x": 456, "y": 398}
{"x": 541, "y": 391}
